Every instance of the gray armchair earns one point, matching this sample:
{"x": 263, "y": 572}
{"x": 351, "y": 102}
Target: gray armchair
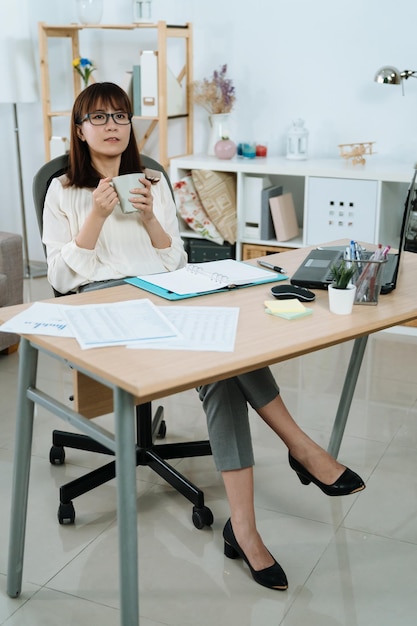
{"x": 11, "y": 282}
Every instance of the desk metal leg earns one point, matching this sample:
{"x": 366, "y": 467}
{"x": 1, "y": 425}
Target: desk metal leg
{"x": 345, "y": 401}
{"x": 28, "y": 360}
{"x": 126, "y": 506}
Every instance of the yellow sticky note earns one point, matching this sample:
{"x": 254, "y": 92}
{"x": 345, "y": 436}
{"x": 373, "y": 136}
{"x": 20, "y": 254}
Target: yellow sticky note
{"x": 292, "y": 315}
{"x": 290, "y": 309}
{"x": 291, "y": 305}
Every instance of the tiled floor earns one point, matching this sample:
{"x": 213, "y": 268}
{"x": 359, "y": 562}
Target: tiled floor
{"x": 350, "y": 561}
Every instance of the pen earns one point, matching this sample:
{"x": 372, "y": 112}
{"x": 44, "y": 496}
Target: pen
{"x": 352, "y": 250}
{"x": 276, "y": 268}
{"x": 358, "y": 255}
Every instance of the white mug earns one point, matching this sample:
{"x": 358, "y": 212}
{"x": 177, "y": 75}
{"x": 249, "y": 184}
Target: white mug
{"x": 123, "y": 184}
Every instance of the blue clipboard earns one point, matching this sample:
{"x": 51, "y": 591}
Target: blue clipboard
{"x": 170, "y": 295}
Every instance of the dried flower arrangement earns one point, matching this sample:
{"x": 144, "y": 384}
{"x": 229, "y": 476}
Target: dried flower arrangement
{"x": 217, "y": 94}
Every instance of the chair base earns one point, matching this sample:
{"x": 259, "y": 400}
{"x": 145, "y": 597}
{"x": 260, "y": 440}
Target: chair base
{"x": 147, "y": 453}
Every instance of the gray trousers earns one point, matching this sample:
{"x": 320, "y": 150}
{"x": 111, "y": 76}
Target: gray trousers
{"x": 225, "y": 404}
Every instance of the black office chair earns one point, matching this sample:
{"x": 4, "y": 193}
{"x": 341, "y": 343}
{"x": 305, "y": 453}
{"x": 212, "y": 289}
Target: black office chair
{"x": 148, "y": 427}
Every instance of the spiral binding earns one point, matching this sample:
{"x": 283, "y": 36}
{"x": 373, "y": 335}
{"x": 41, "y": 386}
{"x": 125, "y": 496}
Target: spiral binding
{"x": 214, "y": 276}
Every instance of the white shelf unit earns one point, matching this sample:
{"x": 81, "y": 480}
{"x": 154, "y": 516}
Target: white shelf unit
{"x": 333, "y": 198}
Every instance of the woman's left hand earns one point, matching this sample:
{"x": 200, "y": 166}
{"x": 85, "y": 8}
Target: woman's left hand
{"x": 142, "y": 201}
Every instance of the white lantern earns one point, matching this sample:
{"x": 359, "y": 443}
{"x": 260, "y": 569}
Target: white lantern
{"x": 142, "y": 11}
{"x": 297, "y": 141}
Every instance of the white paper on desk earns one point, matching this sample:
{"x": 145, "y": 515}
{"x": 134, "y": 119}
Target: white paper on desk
{"x": 117, "y": 323}
{"x": 200, "y": 328}
{"x": 41, "y": 318}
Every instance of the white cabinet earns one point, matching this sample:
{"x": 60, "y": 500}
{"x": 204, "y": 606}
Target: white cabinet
{"x": 338, "y": 208}
{"x": 333, "y": 199}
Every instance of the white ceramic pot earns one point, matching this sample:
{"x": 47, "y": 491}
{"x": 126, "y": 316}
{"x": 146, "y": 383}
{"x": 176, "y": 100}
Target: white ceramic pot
{"x": 341, "y": 300}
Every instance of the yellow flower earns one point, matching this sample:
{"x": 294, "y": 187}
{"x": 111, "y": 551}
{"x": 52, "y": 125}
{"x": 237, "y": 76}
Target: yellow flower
{"x": 84, "y": 67}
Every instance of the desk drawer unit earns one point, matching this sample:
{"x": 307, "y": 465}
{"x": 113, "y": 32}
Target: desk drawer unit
{"x": 339, "y": 208}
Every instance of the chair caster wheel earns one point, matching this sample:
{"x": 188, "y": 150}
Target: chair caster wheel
{"x": 202, "y": 517}
{"x": 57, "y": 455}
{"x": 66, "y": 513}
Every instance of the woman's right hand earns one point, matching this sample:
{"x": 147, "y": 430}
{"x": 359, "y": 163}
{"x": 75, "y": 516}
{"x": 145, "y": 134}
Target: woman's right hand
{"x": 104, "y": 198}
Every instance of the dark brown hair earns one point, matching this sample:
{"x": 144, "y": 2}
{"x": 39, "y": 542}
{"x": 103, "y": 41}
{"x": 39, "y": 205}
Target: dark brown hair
{"x": 81, "y": 172}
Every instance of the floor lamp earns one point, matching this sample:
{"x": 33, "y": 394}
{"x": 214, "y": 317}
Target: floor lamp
{"x": 19, "y": 86}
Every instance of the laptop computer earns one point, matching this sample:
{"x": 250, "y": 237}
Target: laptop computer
{"x": 315, "y": 271}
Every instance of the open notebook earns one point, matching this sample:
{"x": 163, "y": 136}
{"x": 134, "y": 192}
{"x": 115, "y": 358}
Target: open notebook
{"x": 201, "y": 278}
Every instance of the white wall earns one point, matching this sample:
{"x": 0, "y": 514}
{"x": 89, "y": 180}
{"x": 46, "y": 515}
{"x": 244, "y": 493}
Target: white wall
{"x": 288, "y": 59}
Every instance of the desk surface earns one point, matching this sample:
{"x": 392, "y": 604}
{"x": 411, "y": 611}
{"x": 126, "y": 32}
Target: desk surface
{"x": 261, "y": 339}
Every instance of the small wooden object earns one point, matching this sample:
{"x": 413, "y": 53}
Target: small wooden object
{"x": 356, "y": 151}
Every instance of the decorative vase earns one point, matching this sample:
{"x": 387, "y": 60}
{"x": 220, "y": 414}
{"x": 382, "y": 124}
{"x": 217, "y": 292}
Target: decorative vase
{"x": 219, "y": 129}
{"x": 341, "y": 300}
{"x": 225, "y": 149}
{"x": 90, "y": 11}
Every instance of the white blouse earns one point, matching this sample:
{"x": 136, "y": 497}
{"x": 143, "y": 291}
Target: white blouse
{"x": 123, "y": 247}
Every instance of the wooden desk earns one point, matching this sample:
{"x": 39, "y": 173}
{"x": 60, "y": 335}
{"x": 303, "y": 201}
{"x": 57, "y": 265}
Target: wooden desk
{"x": 149, "y": 375}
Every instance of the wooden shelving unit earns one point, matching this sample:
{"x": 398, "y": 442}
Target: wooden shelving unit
{"x": 163, "y": 33}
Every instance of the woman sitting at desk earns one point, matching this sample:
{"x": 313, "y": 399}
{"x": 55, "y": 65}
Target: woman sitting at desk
{"x": 88, "y": 239}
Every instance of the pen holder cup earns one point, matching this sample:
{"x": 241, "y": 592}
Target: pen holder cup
{"x": 368, "y": 279}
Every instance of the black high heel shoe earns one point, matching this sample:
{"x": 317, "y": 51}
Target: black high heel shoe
{"x": 346, "y": 484}
{"x": 272, "y": 577}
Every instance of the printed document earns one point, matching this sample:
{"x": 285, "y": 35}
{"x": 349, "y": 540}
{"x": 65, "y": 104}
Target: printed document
{"x": 135, "y": 323}
{"x": 41, "y": 318}
{"x": 199, "y": 328}
{"x": 94, "y": 325}
{"x": 118, "y": 323}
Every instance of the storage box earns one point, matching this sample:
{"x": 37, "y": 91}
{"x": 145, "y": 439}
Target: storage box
{"x": 252, "y": 204}
{"x": 252, "y": 251}
{"x": 200, "y": 250}
{"x": 149, "y": 83}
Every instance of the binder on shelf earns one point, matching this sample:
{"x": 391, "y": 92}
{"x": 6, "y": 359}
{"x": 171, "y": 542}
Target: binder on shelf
{"x": 127, "y": 83}
{"x": 267, "y": 230}
{"x": 136, "y": 91}
{"x": 204, "y": 278}
{"x": 252, "y": 199}
{"x": 149, "y": 83}
{"x": 176, "y": 96}
{"x": 284, "y": 217}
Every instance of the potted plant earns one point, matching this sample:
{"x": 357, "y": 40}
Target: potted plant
{"x": 342, "y": 291}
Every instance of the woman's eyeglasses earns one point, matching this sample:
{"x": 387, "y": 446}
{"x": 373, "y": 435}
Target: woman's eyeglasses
{"x": 99, "y": 118}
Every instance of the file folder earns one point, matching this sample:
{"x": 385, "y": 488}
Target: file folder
{"x": 149, "y": 83}
{"x": 136, "y": 91}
